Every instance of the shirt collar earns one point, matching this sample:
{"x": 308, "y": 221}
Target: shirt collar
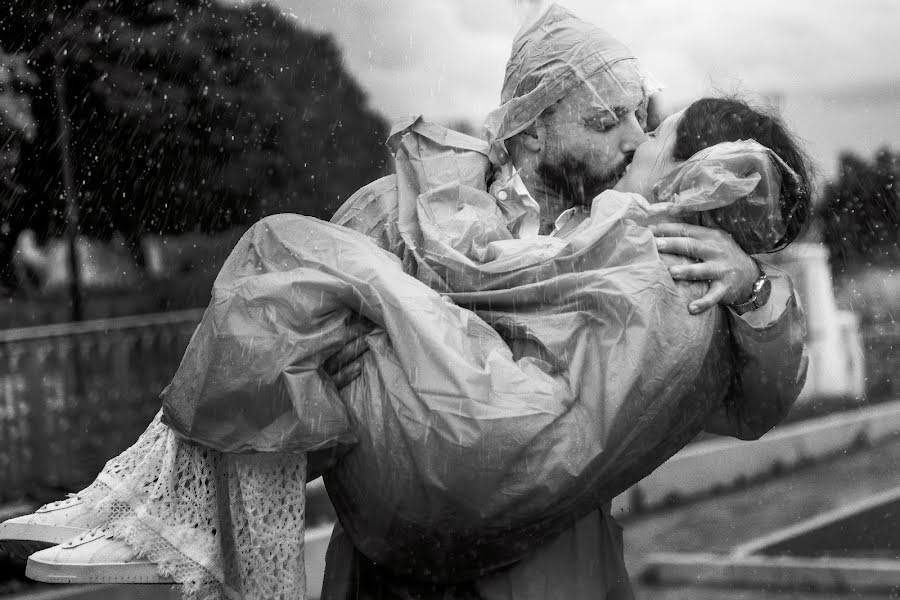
{"x": 522, "y": 211}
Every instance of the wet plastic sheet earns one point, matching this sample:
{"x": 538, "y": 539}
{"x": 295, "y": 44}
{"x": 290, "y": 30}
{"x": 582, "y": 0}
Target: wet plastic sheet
{"x": 461, "y": 448}
{"x": 734, "y": 186}
{"x": 554, "y": 55}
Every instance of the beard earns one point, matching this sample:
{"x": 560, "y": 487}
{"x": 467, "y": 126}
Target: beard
{"x": 577, "y": 181}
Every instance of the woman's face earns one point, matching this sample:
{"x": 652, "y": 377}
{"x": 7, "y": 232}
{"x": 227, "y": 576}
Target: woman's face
{"x": 652, "y": 160}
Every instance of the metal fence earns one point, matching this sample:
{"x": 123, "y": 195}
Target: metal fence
{"x": 74, "y": 395}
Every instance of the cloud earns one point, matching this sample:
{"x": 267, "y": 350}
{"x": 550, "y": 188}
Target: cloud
{"x": 770, "y": 45}
{"x": 442, "y": 59}
{"x": 446, "y": 57}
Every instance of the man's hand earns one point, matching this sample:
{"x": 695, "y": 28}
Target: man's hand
{"x": 730, "y": 271}
{"x": 346, "y": 364}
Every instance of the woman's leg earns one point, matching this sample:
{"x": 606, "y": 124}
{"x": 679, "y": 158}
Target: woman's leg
{"x": 221, "y": 525}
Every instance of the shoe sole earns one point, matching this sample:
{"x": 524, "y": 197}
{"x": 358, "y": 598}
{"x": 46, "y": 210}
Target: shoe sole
{"x": 54, "y": 572}
{"x": 19, "y": 540}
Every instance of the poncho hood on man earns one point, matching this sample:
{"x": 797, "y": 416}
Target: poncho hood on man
{"x": 552, "y": 57}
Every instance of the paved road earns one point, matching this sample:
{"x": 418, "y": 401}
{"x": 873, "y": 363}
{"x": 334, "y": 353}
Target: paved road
{"x": 718, "y": 524}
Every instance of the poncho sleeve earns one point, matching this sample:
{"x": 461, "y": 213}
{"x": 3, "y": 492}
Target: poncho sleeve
{"x": 771, "y": 363}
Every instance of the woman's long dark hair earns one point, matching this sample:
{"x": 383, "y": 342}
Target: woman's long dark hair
{"x": 710, "y": 121}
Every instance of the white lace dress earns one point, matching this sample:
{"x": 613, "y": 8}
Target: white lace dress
{"x": 208, "y": 519}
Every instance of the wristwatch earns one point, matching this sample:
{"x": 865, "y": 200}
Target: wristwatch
{"x": 762, "y": 289}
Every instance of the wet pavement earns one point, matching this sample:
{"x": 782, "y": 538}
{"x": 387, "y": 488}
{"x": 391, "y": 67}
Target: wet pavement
{"x": 715, "y": 524}
{"x": 719, "y": 523}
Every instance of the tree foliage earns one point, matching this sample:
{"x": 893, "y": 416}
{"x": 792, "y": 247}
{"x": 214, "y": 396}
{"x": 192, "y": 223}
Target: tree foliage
{"x": 17, "y": 130}
{"x": 861, "y": 210}
{"x": 17, "y": 126}
{"x": 188, "y": 115}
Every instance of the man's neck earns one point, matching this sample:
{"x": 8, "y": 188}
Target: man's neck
{"x": 550, "y": 201}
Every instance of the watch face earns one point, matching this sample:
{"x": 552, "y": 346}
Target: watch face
{"x": 763, "y": 292}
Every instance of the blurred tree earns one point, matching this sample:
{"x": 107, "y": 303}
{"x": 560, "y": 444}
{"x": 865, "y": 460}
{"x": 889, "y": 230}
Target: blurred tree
{"x": 861, "y": 211}
{"x": 190, "y": 115}
{"x": 17, "y": 128}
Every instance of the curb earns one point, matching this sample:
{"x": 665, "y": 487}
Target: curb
{"x": 820, "y": 574}
{"x": 818, "y": 522}
{"x": 105, "y": 592}
{"x": 712, "y": 466}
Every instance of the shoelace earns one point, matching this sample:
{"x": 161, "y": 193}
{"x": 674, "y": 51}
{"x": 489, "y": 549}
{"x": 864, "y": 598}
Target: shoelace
{"x": 96, "y": 532}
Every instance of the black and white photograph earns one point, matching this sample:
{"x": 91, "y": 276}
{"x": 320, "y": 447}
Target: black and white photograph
{"x": 449, "y": 300}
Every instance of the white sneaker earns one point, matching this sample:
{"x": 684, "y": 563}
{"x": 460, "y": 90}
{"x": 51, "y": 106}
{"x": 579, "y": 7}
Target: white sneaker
{"x": 51, "y": 524}
{"x": 93, "y": 557}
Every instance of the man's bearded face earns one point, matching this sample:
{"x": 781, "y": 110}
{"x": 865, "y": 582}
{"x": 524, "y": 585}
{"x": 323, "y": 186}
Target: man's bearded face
{"x": 589, "y": 139}
{"x": 578, "y": 180}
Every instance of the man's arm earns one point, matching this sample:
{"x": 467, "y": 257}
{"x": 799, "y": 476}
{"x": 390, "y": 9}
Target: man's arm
{"x": 768, "y": 341}
{"x": 772, "y": 361}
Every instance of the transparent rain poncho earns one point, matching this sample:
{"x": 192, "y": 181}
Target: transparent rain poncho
{"x": 549, "y": 375}
{"x": 511, "y": 385}
{"x": 552, "y": 374}
{"x": 734, "y": 186}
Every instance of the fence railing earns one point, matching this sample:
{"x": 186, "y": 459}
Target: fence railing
{"x": 74, "y": 395}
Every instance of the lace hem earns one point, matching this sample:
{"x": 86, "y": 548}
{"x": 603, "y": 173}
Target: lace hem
{"x": 222, "y": 525}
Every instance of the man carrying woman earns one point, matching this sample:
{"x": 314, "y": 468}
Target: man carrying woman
{"x": 574, "y": 107}
{"x": 486, "y": 435}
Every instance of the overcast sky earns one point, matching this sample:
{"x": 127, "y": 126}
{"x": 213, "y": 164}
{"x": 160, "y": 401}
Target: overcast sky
{"x": 834, "y": 65}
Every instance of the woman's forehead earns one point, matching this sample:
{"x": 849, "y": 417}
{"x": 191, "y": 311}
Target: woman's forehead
{"x": 670, "y": 123}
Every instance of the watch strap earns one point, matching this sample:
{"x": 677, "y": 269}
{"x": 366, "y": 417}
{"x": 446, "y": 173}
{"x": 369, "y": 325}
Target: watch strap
{"x": 751, "y": 303}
